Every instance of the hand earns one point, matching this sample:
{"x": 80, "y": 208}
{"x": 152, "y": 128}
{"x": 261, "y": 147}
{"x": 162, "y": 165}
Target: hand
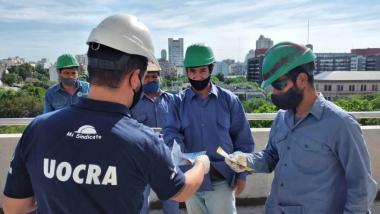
{"x": 237, "y": 161}
{"x": 205, "y": 161}
{"x": 239, "y": 186}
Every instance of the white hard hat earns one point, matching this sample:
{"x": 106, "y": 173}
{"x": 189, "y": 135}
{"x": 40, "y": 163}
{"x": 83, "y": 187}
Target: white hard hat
{"x": 125, "y": 33}
{"x": 153, "y": 67}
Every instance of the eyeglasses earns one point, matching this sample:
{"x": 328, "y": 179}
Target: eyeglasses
{"x": 280, "y": 83}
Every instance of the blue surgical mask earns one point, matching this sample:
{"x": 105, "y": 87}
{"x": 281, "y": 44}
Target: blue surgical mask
{"x": 151, "y": 87}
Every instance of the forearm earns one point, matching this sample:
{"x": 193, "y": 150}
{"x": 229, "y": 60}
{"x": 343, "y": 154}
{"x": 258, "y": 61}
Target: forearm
{"x": 18, "y": 206}
{"x": 261, "y": 162}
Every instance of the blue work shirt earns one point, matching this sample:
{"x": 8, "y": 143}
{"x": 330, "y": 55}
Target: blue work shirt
{"x": 153, "y": 113}
{"x": 56, "y": 97}
{"x": 321, "y": 163}
{"x": 205, "y": 124}
{"x": 91, "y": 157}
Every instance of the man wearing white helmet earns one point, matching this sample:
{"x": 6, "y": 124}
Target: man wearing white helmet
{"x": 92, "y": 157}
{"x": 152, "y": 110}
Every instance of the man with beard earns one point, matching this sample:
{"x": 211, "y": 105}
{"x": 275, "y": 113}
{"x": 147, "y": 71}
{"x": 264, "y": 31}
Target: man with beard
{"x": 152, "y": 110}
{"x": 316, "y": 149}
{"x": 69, "y": 88}
{"x": 202, "y": 118}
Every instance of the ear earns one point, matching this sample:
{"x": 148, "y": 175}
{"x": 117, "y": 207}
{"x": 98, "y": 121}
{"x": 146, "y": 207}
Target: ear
{"x": 302, "y": 80}
{"x": 134, "y": 79}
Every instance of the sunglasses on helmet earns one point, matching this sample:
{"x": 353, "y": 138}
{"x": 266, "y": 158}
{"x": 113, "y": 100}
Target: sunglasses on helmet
{"x": 280, "y": 83}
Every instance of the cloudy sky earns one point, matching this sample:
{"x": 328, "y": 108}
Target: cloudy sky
{"x": 34, "y": 29}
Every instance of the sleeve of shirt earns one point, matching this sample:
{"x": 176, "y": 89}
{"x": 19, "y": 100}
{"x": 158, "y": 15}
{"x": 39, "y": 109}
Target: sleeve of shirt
{"x": 18, "y": 184}
{"x": 172, "y": 127}
{"x": 266, "y": 160}
{"x": 47, "y": 103}
{"x": 165, "y": 178}
{"x": 354, "y": 157}
{"x": 240, "y": 132}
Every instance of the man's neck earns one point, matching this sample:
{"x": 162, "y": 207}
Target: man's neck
{"x": 109, "y": 95}
{"x": 152, "y": 95}
{"x": 69, "y": 89}
{"x": 310, "y": 95}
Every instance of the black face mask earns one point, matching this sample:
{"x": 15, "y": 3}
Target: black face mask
{"x": 199, "y": 84}
{"x": 136, "y": 95}
{"x": 288, "y": 100}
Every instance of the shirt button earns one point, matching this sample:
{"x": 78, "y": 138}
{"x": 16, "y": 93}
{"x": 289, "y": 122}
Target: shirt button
{"x": 282, "y": 185}
{"x": 288, "y": 147}
{"x": 285, "y": 165}
{"x": 306, "y": 146}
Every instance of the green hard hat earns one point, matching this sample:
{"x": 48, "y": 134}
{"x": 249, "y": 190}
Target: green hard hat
{"x": 66, "y": 61}
{"x": 282, "y": 58}
{"x": 198, "y": 55}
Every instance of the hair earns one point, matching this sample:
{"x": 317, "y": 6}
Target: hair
{"x": 108, "y": 67}
{"x": 307, "y": 68}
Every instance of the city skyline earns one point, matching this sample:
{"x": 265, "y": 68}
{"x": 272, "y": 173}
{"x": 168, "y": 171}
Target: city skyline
{"x": 45, "y": 29}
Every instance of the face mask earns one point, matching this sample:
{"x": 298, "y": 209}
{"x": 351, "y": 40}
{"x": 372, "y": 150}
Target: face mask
{"x": 136, "y": 95}
{"x": 151, "y": 87}
{"x": 288, "y": 100}
{"x": 199, "y": 84}
{"x": 67, "y": 81}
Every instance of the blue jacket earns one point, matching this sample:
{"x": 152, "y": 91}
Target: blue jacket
{"x": 205, "y": 124}
{"x": 56, "y": 97}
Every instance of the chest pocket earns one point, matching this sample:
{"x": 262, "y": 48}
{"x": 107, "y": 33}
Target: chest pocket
{"x": 312, "y": 155}
{"x": 58, "y": 104}
{"x": 141, "y": 118}
{"x": 224, "y": 122}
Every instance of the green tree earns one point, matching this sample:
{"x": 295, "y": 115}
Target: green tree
{"x": 10, "y": 79}
{"x": 259, "y": 105}
{"x": 220, "y": 76}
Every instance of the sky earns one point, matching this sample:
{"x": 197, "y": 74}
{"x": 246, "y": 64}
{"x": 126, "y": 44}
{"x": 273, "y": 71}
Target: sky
{"x": 35, "y": 29}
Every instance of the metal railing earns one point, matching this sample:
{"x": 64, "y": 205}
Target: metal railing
{"x": 250, "y": 117}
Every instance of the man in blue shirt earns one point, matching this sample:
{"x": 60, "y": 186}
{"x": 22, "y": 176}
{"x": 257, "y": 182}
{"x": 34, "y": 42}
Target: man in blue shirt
{"x": 92, "y": 157}
{"x": 152, "y": 110}
{"x": 317, "y": 151}
{"x": 69, "y": 88}
{"x": 202, "y": 118}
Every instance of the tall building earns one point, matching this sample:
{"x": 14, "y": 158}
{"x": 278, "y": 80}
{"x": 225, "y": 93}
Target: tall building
{"x": 221, "y": 67}
{"x": 254, "y": 65}
{"x": 333, "y": 62}
{"x": 263, "y": 42}
{"x": 366, "y": 51}
{"x": 237, "y": 69}
{"x": 358, "y": 63}
{"x": 163, "y": 54}
{"x": 175, "y": 48}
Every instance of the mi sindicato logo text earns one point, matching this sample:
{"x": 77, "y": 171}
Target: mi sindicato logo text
{"x": 85, "y": 132}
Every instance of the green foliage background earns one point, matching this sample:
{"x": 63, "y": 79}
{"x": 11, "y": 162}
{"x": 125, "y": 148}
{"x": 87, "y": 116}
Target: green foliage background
{"x": 29, "y": 83}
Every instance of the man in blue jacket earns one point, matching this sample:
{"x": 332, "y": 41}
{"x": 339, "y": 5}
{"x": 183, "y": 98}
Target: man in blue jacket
{"x": 152, "y": 110}
{"x": 316, "y": 150}
{"x": 202, "y": 118}
{"x": 69, "y": 88}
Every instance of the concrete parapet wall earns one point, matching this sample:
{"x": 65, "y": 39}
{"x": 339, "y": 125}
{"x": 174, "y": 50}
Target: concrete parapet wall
{"x": 258, "y": 185}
